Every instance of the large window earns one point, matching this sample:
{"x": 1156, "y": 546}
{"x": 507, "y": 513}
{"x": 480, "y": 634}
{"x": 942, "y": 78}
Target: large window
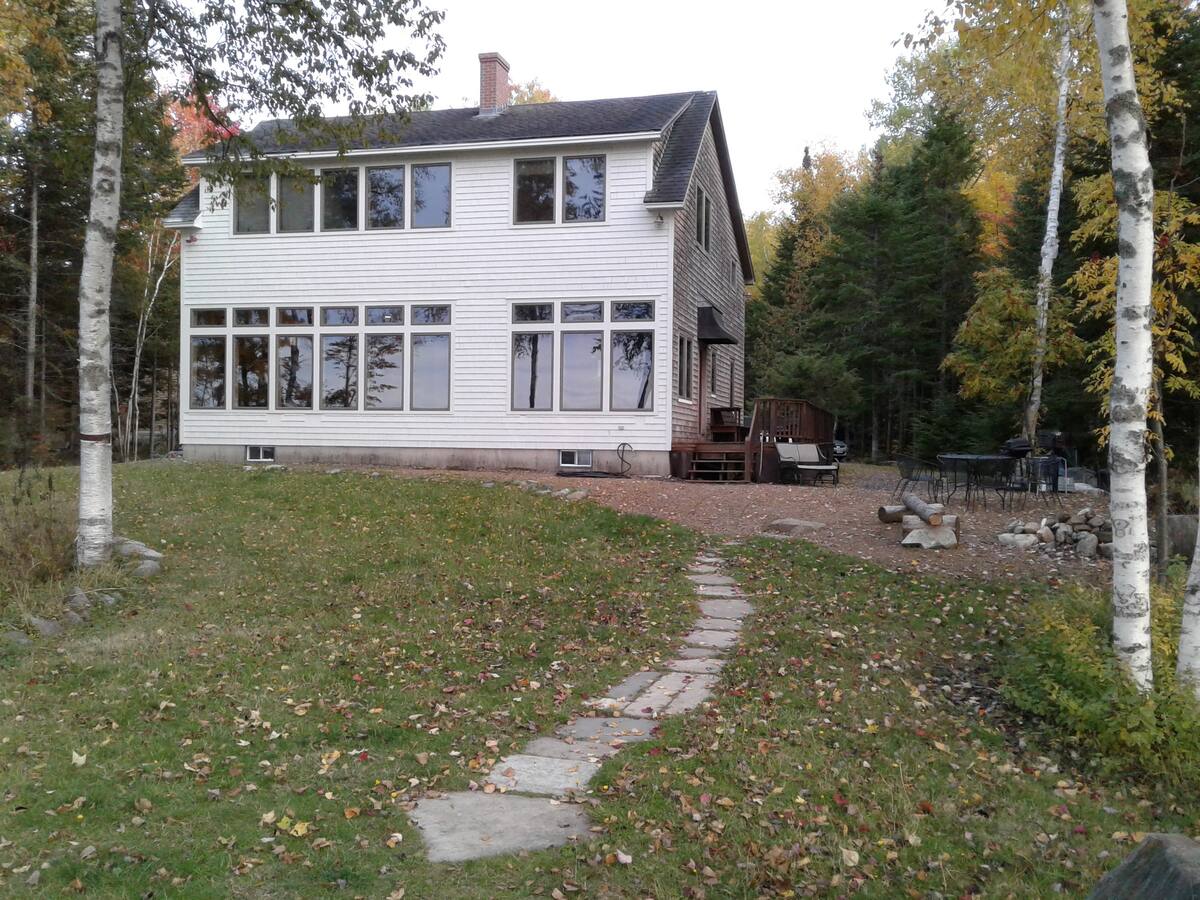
{"x": 534, "y": 190}
{"x": 583, "y": 188}
{"x": 431, "y": 371}
{"x": 431, "y": 196}
{"x": 208, "y": 372}
{"x": 385, "y": 371}
{"x": 632, "y": 370}
{"x": 295, "y": 204}
{"x": 294, "y": 372}
{"x": 339, "y": 199}
{"x": 339, "y": 371}
{"x": 252, "y": 361}
{"x": 582, "y": 370}
{"x": 252, "y": 205}
{"x": 385, "y": 197}
{"x": 533, "y": 370}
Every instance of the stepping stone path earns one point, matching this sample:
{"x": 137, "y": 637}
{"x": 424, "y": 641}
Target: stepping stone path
{"x": 525, "y": 809}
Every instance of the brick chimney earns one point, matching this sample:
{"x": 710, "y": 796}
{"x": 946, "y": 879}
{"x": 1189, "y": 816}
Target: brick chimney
{"x": 493, "y": 84}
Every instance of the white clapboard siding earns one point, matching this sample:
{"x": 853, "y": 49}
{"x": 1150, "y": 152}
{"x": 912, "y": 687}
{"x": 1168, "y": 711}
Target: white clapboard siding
{"x": 481, "y": 265}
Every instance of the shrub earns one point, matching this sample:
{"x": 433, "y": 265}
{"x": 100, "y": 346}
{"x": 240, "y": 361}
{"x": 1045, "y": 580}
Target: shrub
{"x": 36, "y": 532}
{"x": 1063, "y": 671}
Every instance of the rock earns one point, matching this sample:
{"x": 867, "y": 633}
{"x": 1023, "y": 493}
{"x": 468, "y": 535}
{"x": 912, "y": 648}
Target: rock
{"x": 148, "y": 568}
{"x": 108, "y": 599}
{"x": 563, "y": 492}
{"x": 78, "y": 602}
{"x": 1182, "y": 532}
{"x": 45, "y": 627}
{"x": 1030, "y": 528}
{"x": 1105, "y": 550}
{"x": 1083, "y": 529}
{"x": 1024, "y": 541}
{"x": 793, "y": 526}
{"x": 73, "y": 618}
{"x": 939, "y": 537}
{"x": 1087, "y": 546}
{"x": 1163, "y": 867}
{"x": 1063, "y": 517}
{"x": 1063, "y": 533}
{"x": 333, "y": 471}
{"x": 577, "y": 495}
{"x": 1045, "y": 535}
{"x": 15, "y": 638}
{"x": 124, "y": 547}
{"x": 1097, "y": 521}
{"x": 1014, "y": 525}
{"x": 488, "y": 484}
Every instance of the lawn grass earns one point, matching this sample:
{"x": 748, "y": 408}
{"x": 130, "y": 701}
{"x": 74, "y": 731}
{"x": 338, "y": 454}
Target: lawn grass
{"x": 858, "y": 747}
{"x": 323, "y": 649}
{"x": 320, "y": 650}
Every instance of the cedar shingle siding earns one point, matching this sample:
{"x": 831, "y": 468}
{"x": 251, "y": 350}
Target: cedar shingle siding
{"x": 702, "y": 278}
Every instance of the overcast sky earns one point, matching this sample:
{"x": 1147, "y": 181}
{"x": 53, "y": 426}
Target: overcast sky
{"x": 789, "y": 72}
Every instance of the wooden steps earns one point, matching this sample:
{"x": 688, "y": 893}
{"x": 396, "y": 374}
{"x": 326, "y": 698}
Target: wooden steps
{"x": 714, "y": 460}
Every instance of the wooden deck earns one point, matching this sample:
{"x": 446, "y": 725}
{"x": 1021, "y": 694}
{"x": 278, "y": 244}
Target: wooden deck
{"x": 712, "y": 460}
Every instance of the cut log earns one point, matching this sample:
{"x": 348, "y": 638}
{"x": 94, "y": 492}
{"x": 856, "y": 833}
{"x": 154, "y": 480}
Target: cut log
{"x": 934, "y": 537}
{"x": 891, "y": 514}
{"x": 930, "y": 513}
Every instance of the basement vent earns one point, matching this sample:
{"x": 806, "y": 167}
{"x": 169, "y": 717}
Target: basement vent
{"x": 575, "y": 459}
{"x": 260, "y": 454}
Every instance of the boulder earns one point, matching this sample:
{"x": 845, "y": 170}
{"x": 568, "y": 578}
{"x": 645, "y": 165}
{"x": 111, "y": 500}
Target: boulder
{"x": 45, "y": 627}
{"x": 1163, "y": 867}
{"x": 1030, "y": 528}
{"x": 1087, "y": 546}
{"x": 1045, "y": 535}
{"x": 931, "y": 537}
{"x": 126, "y": 548}
{"x": 73, "y": 618}
{"x": 1097, "y": 521}
{"x": 148, "y": 568}
{"x": 1063, "y": 533}
{"x": 1024, "y": 541}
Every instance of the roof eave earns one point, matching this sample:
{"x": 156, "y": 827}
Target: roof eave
{"x": 612, "y": 138}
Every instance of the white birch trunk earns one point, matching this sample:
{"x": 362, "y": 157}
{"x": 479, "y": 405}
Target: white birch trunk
{"x": 151, "y": 288}
{"x": 31, "y": 304}
{"x": 1033, "y": 408}
{"x": 1133, "y": 182}
{"x": 1187, "y": 668}
{"x": 94, "y": 539}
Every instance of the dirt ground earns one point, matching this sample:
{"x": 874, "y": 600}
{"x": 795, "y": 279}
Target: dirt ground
{"x": 847, "y": 511}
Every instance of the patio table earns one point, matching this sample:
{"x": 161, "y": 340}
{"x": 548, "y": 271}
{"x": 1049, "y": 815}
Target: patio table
{"x": 975, "y": 464}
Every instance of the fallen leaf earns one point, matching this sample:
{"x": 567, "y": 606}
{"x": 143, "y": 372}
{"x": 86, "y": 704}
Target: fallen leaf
{"x": 78, "y": 758}
{"x": 849, "y": 857}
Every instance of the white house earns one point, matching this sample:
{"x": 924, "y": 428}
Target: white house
{"x": 507, "y": 286}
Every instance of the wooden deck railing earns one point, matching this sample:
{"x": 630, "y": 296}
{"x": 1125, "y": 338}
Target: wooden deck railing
{"x": 780, "y": 419}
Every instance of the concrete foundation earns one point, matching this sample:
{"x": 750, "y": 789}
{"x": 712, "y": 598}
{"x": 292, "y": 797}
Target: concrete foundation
{"x": 643, "y": 462}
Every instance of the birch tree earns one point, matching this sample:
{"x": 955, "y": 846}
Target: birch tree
{"x": 1133, "y": 186}
{"x": 1045, "y": 282}
{"x": 1187, "y": 666}
{"x": 94, "y": 539}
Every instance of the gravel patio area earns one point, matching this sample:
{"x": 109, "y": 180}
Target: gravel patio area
{"x": 847, "y": 511}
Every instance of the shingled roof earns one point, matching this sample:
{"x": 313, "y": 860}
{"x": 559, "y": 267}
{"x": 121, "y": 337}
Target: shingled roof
{"x": 682, "y": 117}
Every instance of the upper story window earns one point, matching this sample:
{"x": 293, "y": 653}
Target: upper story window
{"x": 583, "y": 188}
{"x": 339, "y": 199}
{"x": 252, "y": 205}
{"x": 294, "y": 204}
{"x": 431, "y": 196}
{"x": 534, "y": 191}
{"x": 533, "y": 312}
{"x": 703, "y": 218}
{"x": 431, "y": 315}
{"x": 385, "y": 197}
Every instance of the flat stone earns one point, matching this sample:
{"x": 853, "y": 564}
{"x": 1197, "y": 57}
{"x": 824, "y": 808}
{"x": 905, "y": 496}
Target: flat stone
{"x": 147, "y": 568}
{"x": 698, "y": 652}
{"x": 45, "y": 627}
{"x": 542, "y": 774}
{"x": 576, "y": 496}
{"x": 1163, "y": 867}
{"x": 725, "y": 609}
{"x": 609, "y": 730}
{"x": 701, "y": 569}
{"x": 794, "y": 526}
{"x": 710, "y": 559}
{"x": 698, "y": 666}
{"x": 932, "y": 537}
{"x": 658, "y": 695}
{"x": 693, "y": 695}
{"x": 470, "y": 825}
{"x": 588, "y": 751}
{"x": 711, "y": 579}
{"x": 710, "y": 624}
{"x": 632, "y": 686}
{"x": 1023, "y": 541}
{"x": 717, "y": 590}
{"x": 718, "y": 639}
{"x": 15, "y": 638}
